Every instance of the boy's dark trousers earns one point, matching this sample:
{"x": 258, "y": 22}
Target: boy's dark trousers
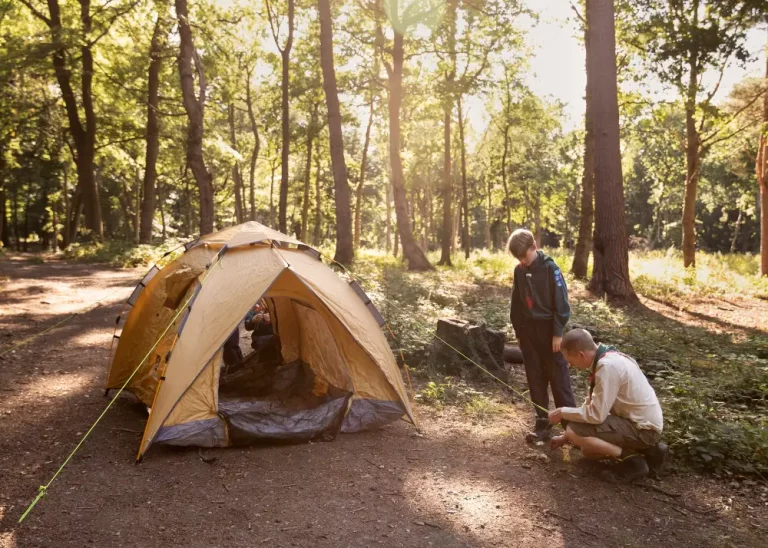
{"x": 544, "y": 368}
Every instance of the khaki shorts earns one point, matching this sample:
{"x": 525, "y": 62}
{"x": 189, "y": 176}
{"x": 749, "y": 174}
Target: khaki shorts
{"x": 618, "y": 431}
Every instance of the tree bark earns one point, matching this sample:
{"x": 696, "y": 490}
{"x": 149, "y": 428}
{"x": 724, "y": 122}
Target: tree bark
{"x": 464, "y": 195}
{"x": 507, "y": 199}
{"x": 412, "y": 253}
{"x": 195, "y": 115}
{"x": 388, "y": 240}
{"x": 361, "y": 183}
{"x": 308, "y": 172}
{"x": 344, "y": 244}
{"x": 611, "y": 270}
{"x": 318, "y": 232}
{"x": 285, "y": 54}
{"x": 153, "y": 125}
{"x": 692, "y": 150}
{"x": 236, "y": 177}
{"x": 445, "y": 249}
{"x": 256, "y": 147}
{"x": 584, "y": 243}
{"x": 762, "y": 177}
{"x": 448, "y": 100}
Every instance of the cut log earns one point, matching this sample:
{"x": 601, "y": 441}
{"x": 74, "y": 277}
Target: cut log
{"x": 459, "y": 343}
{"x": 512, "y": 354}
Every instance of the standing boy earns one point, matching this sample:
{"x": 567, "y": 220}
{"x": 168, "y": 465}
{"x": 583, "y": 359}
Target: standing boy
{"x": 539, "y": 313}
{"x": 621, "y": 418}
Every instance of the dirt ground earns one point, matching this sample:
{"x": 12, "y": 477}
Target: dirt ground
{"x": 458, "y": 482}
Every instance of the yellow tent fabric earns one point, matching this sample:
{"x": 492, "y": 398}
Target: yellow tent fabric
{"x": 325, "y": 330}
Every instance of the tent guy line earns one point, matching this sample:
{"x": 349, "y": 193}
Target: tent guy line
{"x": 43, "y": 489}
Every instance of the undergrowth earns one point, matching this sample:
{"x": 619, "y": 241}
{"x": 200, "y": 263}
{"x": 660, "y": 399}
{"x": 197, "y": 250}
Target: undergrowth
{"x": 122, "y": 254}
{"x": 713, "y": 386}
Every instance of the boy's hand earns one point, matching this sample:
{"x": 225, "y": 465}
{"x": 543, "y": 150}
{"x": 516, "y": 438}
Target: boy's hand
{"x": 556, "y": 344}
{"x": 557, "y": 442}
{"x": 555, "y": 416}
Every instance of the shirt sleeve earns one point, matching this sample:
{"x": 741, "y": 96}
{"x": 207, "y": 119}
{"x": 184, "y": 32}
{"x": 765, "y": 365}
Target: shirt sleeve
{"x": 516, "y": 307}
{"x": 562, "y": 310}
{"x": 603, "y": 397}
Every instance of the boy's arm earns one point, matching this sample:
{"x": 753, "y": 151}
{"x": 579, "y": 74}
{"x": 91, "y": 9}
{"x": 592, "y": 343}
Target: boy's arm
{"x": 561, "y": 308}
{"x": 603, "y": 398}
{"x": 515, "y": 309}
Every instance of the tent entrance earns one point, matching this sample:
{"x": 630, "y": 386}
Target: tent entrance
{"x": 294, "y": 385}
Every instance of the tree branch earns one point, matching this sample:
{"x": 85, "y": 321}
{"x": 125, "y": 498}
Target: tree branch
{"x": 36, "y": 13}
{"x": 117, "y": 14}
{"x": 736, "y": 115}
{"x": 578, "y": 14}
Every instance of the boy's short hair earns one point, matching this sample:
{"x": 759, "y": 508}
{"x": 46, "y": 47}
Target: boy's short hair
{"x": 577, "y": 340}
{"x": 520, "y": 242}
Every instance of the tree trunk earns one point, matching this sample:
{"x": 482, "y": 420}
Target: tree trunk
{"x": 611, "y": 270}
{"x": 488, "y": 215}
{"x": 256, "y": 147}
{"x": 286, "y": 143}
{"x": 4, "y": 236}
{"x": 195, "y": 114}
{"x": 161, "y": 211}
{"x": 584, "y": 243}
{"x": 507, "y": 199}
{"x": 153, "y": 126}
{"x": 692, "y": 151}
{"x": 464, "y": 196}
{"x": 318, "y": 232}
{"x": 236, "y": 178}
{"x": 273, "y": 163}
{"x": 15, "y": 215}
{"x": 762, "y": 178}
{"x": 308, "y": 172}
{"x": 344, "y": 244}
{"x": 446, "y": 244}
{"x": 361, "y": 183}
{"x": 388, "y": 241}
{"x": 412, "y": 253}
{"x": 737, "y": 230}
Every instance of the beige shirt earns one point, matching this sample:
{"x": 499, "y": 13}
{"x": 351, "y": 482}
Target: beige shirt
{"x": 621, "y": 389}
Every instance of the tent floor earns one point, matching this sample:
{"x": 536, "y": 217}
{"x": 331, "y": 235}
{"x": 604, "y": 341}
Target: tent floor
{"x": 264, "y": 400}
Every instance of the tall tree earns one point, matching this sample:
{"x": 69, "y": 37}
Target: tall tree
{"x": 237, "y": 179}
{"x": 195, "y": 108}
{"x": 344, "y": 243}
{"x": 256, "y": 145}
{"x": 412, "y": 253}
{"x": 449, "y": 29}
{"x": 682, "y": 40}
{"x": 153, "y": 123}
{"x": 361, "y": 182}
{"x": 80, "y": 105}
{"x": 285, "y": 55}
{"x": 611, "y": 269}
{"x": 762, "y": 176}
{"x": 584, "y": 241}
{"x": 466, "y": 244}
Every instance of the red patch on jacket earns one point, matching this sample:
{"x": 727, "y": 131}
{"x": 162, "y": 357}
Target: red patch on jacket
{"x": 529, "y": 301}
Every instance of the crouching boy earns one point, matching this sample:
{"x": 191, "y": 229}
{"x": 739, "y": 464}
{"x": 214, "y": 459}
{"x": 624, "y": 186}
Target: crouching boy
{"x": 621, "y": 418}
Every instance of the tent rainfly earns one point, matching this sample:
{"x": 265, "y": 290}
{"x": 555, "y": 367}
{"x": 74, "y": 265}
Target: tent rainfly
{"x": 335, "y": 371}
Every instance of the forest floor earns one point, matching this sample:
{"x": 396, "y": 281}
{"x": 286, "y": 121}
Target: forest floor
{"x": 466, "y": 478}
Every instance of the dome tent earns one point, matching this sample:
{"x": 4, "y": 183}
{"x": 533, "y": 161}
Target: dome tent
{"x": 329, "y": 332}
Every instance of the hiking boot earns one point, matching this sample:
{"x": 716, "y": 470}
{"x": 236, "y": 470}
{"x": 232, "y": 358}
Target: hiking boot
{"x": 656, "y": 457}
{"x": 542, "y": 432}
{"x": 628, "y": 470}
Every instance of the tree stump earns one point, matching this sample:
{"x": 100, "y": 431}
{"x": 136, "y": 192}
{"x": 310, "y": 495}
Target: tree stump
{"x": 467, "y": 339}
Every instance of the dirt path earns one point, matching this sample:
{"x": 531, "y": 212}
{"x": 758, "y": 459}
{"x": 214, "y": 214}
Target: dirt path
{"x": 458, "y": 483}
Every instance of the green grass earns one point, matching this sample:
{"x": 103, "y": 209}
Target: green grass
{"x": 712, "y": 385}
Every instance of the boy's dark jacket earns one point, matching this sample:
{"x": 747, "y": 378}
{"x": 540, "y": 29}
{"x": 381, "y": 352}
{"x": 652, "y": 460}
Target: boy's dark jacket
{"x": 540, "y": 293}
